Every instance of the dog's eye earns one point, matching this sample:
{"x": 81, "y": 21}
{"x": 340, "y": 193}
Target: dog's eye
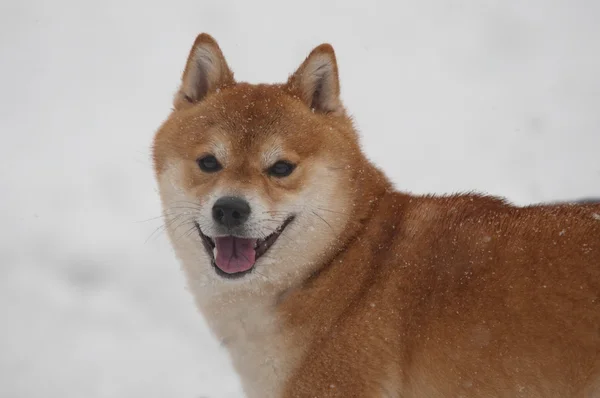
{"x": 281, "y": 168}
{"x": 209, "y": 164}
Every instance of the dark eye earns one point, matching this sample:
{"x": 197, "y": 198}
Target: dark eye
{"x": 281, "y": 169}
{"x": 209, "y": 164}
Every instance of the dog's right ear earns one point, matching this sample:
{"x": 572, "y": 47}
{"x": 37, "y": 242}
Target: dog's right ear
{"x": 316, "y": 81}
{"x": 206, "y": 71}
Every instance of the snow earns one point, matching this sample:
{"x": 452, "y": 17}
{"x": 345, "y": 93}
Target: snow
{"x": 490, "y": 95}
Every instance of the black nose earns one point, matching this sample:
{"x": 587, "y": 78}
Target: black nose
{"x": 230, "y": 211}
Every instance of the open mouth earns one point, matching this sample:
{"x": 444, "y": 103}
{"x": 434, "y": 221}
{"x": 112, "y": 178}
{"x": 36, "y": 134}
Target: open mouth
{"x": 233, "y": 256}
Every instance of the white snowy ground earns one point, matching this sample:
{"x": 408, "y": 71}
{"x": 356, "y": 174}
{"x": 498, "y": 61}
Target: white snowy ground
{"x": 499, "y": 96}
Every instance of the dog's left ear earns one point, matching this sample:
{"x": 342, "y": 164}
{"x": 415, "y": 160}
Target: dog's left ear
{"x": 206, "y": 71}
{"x": 316, "y": 81}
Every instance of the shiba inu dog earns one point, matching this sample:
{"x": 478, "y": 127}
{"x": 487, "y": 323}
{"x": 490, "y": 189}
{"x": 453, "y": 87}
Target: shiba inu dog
{"x": 323, "y": 281}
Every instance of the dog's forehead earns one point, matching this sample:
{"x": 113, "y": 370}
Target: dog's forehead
{"x": 257, "y": 117}
{"x": 242, "y": 122}
{"x": 254, "y": 107}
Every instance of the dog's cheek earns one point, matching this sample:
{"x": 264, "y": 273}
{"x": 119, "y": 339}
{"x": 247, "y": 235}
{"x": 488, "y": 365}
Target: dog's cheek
{"x": 280, "y": 191}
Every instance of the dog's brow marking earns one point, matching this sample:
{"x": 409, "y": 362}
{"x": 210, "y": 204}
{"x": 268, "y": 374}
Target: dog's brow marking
{"x": 219, "y": 150}
{"x": 271, "y": 155}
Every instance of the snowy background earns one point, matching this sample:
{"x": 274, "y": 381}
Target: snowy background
{"x": 498, "y": 96}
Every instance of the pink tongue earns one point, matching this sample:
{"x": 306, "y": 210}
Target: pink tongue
{"x": 235, "y": 254}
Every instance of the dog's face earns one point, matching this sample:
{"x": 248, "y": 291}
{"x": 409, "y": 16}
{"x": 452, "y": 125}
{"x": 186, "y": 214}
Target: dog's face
{"x": 255, "y": 180}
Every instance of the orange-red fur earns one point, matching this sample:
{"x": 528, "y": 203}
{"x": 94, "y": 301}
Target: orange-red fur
{"x": 458, "y": 296}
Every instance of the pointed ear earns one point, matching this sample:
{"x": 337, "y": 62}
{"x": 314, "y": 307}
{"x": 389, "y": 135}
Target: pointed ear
{"x": 316, "y": 81}
{"x": 206, "y": 71}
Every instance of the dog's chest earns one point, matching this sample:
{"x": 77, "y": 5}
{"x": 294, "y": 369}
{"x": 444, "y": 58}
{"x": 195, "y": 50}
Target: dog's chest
{"x": 261, "y": 348}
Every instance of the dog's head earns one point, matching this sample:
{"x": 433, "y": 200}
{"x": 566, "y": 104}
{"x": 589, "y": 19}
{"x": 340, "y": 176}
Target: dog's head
{"x": 257, "y": 181}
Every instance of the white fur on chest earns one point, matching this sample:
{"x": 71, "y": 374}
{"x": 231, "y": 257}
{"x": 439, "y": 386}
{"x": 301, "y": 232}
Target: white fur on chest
{"x": 256, "y": 341}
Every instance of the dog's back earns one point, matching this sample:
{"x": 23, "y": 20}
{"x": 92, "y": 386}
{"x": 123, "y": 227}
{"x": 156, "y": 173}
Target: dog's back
{"x": 458, "y": 296}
